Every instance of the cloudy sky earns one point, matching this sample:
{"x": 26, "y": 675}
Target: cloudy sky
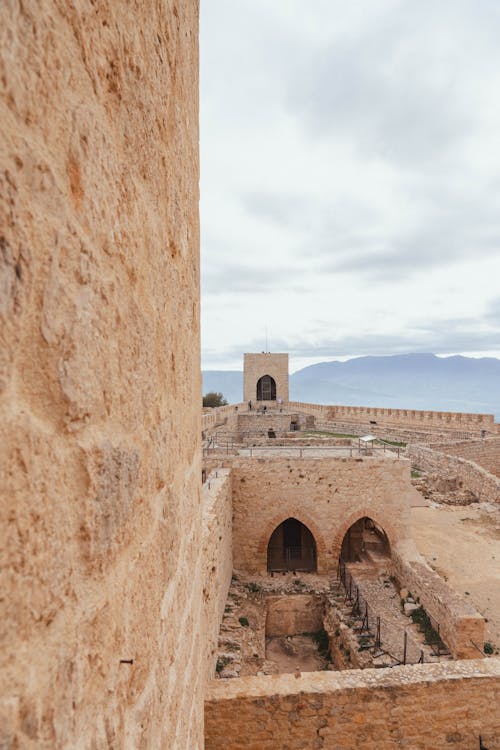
{"x": 350, "y": 186}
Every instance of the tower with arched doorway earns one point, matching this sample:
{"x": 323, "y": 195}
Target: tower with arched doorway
{"x": 265, "y": 377}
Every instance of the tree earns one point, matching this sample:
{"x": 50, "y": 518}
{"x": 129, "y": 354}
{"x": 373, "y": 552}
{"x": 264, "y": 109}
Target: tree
{"x": 214, "y": 399}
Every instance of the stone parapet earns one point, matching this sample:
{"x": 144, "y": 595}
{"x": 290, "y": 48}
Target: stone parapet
{"x": 458, "y": 421}
{"x": 422, "y": 706}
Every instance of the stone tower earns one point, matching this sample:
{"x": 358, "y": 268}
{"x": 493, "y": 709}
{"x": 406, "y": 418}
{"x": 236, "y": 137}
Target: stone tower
{"x": 265, "y": 377}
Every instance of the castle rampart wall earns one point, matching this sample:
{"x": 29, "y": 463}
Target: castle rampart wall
{"x": 101, "y": 622}
{"x": 422, "y": 706}
{"x": 457, "y": 421}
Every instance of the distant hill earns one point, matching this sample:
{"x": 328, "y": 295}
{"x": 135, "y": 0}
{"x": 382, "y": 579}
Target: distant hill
{"x": 407, "y": 381}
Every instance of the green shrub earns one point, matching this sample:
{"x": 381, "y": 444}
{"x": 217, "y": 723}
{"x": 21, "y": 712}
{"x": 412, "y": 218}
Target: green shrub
{"x": 221, "y": 663}
{"x": 254, "y": 588}
{"x": 244, "y": 622}
{"x": 488, "y": 648}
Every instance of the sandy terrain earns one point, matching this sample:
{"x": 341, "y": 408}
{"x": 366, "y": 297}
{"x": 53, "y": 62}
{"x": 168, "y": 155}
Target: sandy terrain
{"x": 463, "y": 545}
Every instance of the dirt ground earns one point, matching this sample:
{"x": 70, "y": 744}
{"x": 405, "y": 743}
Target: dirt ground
{"x": 462, "y": 544}
{"x": 286, "y": 653}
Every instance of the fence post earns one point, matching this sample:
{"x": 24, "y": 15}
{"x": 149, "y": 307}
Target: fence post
{"x": 405, "y": 647}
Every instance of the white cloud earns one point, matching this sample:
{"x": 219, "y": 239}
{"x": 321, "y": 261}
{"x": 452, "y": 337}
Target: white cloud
{"x": 350, "y": 189}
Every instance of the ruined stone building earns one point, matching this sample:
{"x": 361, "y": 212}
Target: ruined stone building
{"x": 123, "y": 575}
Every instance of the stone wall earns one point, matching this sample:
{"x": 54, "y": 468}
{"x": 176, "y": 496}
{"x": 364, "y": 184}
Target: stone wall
{"x": 440, "y": 420}
{"x": 294, "y": 614}
{"x": 257, "y": 365}
{"x": 485, "y": 452}
{"x": 217, "y": 559}
{"x": 460, "y": 625}
{"x": 418, "y": 707}
{"x": 99, "y": 376}
{"x": 252, "y": 423}
{"x": 326, "y": 494}
{"x": 485, "y": 486}
{"x": 221, "y": 417}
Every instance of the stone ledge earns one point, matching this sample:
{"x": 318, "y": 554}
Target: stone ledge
{"x": 354, "y": 679}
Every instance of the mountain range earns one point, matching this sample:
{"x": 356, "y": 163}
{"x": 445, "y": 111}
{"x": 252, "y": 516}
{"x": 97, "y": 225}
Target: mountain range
{"x": 406, "y": 381}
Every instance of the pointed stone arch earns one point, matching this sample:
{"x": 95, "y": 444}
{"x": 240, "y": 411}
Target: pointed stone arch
{"x": 266, "y": 388}
{"x": 306, "y": 521}
{"x": 365, "y": 512}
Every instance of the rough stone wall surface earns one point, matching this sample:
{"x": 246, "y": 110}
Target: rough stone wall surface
{"x": 217, "y": 559}
{"x": 460, "y": 625}
{"x": 99, "y": 389}
{"x": 257, "y": 365}
{"x": 221, "y": 417}
{"x": 485, "y": 486}
{"x": 251, "y": 423}
{"x": 485, "y": 452}
{"x": 326, "y": 494}
{"x": 422, "y": 707}
{"x": 441, "y": 420}
{"x": 294, "y": 614}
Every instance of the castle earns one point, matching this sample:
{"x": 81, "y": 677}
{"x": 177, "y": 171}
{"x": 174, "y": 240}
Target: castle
{"x": 117, "y": 560}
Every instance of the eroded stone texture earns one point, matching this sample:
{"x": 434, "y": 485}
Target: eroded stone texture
{"x": 99, "y": 393}
{"x": 418, "y": 707}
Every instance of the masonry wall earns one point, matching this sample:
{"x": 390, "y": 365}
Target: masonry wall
{"x": 221, "y": 417}
{"x": 419, "y": 707}
{"x": 326, "y": 494}
{"x": 253, "y": 423}
{"x": 485, "y": 452}
{"x": 456, "y": 421}
{"x": 460, "y": 625}
{"x": 485, "y": 486}
{"x": 99, "y": 376}
{"x": 217, "y": 559}
{"x": 257, "y": 365}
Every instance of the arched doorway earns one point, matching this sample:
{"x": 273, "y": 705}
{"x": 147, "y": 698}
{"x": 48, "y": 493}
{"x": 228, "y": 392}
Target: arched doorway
{"x": 291, "y": 547}
{"x": 364, "y": 539}
{"x": 266, "y": 388}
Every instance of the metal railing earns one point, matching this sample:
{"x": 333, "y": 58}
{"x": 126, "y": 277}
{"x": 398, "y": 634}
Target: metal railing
{"x": 371, "y": 624}
{"x": 301, "y": 450}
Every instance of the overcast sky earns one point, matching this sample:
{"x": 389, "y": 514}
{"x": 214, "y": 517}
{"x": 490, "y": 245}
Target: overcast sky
{"x": 350, "y": 178}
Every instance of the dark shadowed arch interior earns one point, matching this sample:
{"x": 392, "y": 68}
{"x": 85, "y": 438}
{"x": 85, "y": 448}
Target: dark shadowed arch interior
{"x": 291, "y": 547}
{"x": 364, "y": 539}
{"x": 266, "y": 388}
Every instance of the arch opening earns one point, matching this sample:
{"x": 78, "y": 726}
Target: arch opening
{"x": 291, "y": 547}
{"x": 266, "y": 388}
{"x": 364, "y": 540}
